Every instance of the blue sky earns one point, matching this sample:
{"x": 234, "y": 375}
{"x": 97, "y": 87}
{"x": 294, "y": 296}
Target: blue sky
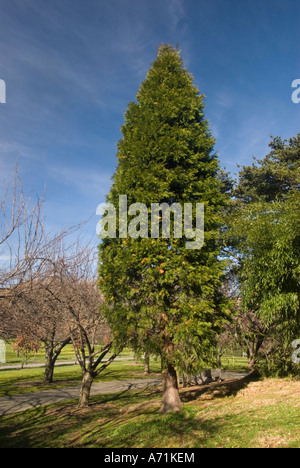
{"x": 72, "y": 66}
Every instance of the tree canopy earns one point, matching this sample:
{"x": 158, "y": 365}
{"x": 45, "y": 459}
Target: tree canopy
{"x": 162, "y": 297}
{"x": 264, "y": 226}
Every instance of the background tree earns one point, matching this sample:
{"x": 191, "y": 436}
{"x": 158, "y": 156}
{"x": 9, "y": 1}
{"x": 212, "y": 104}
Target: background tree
{"x": 264, "y": 235}
{"x": 274, "y": 177}
{"x": 26, "y": 347}
{"x": 28, "y": 284}
{"x": 247, "y": 332}
{"x": 20, "y": 235}
{"x": 36, "y": 311}
{"x": 161, "y": 297}
{"x": 75, "y": 293}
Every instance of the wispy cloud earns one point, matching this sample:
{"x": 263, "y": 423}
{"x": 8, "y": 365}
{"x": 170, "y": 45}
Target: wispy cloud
{"x": 225, "y": 99}
{"x": 84, "y": 181}
{"x": 176, "y": 12}
{"x": 71, "y": 67}
{"x": 15, "y": 150}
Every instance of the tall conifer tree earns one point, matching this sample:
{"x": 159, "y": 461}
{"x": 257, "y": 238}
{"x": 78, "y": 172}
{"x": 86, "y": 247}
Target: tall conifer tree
{"x": 161, "y": 297}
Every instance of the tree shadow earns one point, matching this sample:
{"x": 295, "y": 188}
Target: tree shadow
{"x": 218, "y": 389}
{"x": 133, "y": 416}
{"x": 16, "y": 433}
{"x": 125, "y": 396}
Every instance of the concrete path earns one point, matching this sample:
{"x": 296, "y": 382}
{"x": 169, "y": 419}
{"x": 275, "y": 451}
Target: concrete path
{"x": 58, "y": 363}
{"x": 22, "y": 402}
{"x": 16, "y": 403}
{"x": 34, "y": 365}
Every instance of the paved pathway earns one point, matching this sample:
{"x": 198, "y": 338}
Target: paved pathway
{"x": 58, "y": 363}
{"x": 34, "y": 365}
{"x": 16, "y": 403}
{"x": 22, "y": 402}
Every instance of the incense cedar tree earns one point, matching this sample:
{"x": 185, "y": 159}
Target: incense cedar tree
{"x": 162, "y": 298}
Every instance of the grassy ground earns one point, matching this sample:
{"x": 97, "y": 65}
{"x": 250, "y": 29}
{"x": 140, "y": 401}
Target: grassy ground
{"x": 236, "y": 363}
{"x": 17, "y": 381}
{"x": 256, "y": 414}
{"x": 229, "y": 362}
{"x": 66, "y": 355}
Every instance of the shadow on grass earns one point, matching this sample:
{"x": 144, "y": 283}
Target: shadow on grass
{"x": 16, "y": 432}
{"x": 218, "y": 389}
{"x": 146, "y": 428}
{"x": 62, "y": 424}
{"x": 128, "y": 419}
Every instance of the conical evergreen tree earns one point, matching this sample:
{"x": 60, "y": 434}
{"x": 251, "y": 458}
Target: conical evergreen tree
{"x": 162, "y": 297}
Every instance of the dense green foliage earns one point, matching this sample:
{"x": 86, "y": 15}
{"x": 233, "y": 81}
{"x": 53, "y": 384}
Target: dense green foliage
{"x": 161, "y": 296}
{"x": 274, "y": 177}
{"x": 264, "y": 231}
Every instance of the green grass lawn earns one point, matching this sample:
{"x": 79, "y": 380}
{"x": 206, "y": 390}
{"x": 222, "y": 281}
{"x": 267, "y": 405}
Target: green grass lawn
{"x": 244, "y": 414}
{"x": 66, "y": 355}
{"x": 18, "y": 381}
{"x": 27, "y": 380}
{"x": 229, "y": 362}
{"x": 235, "y": 363}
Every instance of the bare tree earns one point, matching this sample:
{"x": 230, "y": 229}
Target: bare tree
{"x": 35, "y": 313}
{"x": 80, "y": 300}
{"x": 26, "y": 265}
{"x": 25, "y": 246}
{"x": 247, "y": 332}
{"x": 48, "y": 289}
{"x": 16, "y": 246}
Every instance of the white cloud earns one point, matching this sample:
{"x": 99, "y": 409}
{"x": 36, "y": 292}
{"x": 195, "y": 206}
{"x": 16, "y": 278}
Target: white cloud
{"x": 176, "y": 13}
{"x": 86, "y": 181}
{"x": 16, "y": 150}
{"x": 225, "y": 99}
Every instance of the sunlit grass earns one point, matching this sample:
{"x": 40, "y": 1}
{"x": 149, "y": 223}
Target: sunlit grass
{"x": 27, "y": 380}
{"x": 256, "y": 414}
{"x": 66, "y": 355}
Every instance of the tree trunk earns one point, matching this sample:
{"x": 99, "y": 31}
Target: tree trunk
{"x": 185, "y": 379}
{"x": 49, "y": 371}
{"x": 147, "y": 364}
{"x": 252, "y": 352}
{"x": 219, "y": 361}
{"x": 251, "y": 359}
{"x": 85, "y": 390}
{"x": 251, "y": 363}
{"x": 171, "y": 402}
{"x": 50, "y": 361}
{"x": 52, "y": 352}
